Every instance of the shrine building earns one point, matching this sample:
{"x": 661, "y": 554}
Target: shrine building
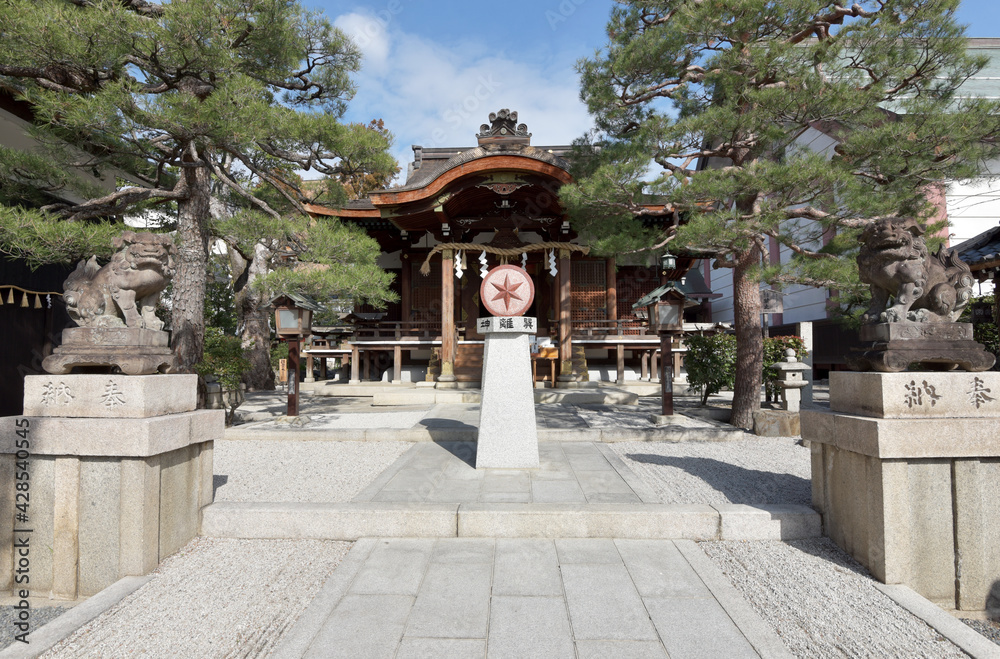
{"x": 464, "y": 210}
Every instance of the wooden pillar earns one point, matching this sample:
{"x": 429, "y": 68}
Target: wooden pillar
{"x": 368, "y": 365}
{"x": 620, "y": 362}
{"x": 565, "y": 318}
{"x": 611, "y": 283}
{"x": 654, "y": 372}
{"x": 397, "y": 364}
{"x": 447, "y": 317}
{"x": 322, "y": 368}
{"x": 355, "y": 365}
{"x": 666, "y": 374}
{"x": 644, "y": 359}
{"x": 405, "y": 289}
{"x": 293, "y": 378}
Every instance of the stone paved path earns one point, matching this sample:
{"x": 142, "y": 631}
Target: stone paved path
{"x": 569, "y": 472}
{"x": 529, "y": 597}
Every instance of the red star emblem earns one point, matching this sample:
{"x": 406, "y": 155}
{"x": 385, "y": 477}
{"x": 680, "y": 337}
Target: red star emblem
{"x": 506, "y": 292}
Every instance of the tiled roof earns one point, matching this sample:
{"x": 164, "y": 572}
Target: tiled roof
{"x": 431, "y": 168}
{"x": 982, "y": 249}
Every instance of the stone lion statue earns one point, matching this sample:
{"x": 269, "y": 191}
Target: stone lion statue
{"x": 923, "y": 287}
{"x": 125, "y": 291}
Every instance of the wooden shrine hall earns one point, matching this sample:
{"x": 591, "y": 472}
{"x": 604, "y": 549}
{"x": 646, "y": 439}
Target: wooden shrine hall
{"x": 465, "y": 210}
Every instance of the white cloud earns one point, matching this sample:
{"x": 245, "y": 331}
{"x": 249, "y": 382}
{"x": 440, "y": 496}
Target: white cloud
{"x": 438, "y": 95}
{"x": 368, "y": 31}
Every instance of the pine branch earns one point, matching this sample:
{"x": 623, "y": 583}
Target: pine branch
{"x": 239, "y": 189}
{"x": 115, "y": 203}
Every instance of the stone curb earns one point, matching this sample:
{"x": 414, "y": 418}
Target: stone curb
{"x": 468, "y": 434}
{"x": 360, "y": 519}
{"x": 758, "y": 633}
{"x": 296, "y": 641}
{"x": 956, "y": 631}
{"x": 45, "y": 637}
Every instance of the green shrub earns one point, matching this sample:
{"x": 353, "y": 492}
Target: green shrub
{"x": 986, "y": 332}
{"x": 711, "y": 363}
{"x": 224, "y": 358}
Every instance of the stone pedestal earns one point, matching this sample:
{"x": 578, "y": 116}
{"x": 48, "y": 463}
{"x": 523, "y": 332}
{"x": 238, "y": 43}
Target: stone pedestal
{"x": 906, "y": 473}
{"x": 132, "y": 350}
{"x": 892, "y": 347}
{"x": 119, "y": 470}
{"x": 508, "y": 436}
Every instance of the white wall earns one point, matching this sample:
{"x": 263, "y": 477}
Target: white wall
{"x": 14, "y": 135}
{"x": 722, "y": 283}
{"x": 973, "y": 205}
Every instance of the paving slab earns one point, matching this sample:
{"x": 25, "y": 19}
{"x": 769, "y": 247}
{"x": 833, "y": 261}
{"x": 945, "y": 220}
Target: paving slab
{"x": 526, "y": 566}
{"x": 538, "y": 598}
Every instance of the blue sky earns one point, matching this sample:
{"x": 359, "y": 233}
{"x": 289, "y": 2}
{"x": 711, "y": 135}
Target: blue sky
{"x": 435, "y": 70}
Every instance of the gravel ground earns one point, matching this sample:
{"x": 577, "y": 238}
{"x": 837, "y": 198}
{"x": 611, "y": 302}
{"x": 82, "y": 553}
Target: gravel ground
{"x": 840, "y": 615}
{"x": 750, "y": 471}
{"x": 215, "y": 598}
{"x": 299, "y": 471}
{"x": 39, "y": 616}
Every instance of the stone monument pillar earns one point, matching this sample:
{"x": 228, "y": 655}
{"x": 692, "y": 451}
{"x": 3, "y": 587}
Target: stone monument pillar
{"x": 906, "y": 462}
{"x": 508, "y": 435}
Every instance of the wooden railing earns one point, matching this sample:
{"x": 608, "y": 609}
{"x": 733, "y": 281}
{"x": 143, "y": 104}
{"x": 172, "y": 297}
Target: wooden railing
{"x": 599, "y": 328}
{"x": 390, "y": 330}
{"x": 398, "y": 330}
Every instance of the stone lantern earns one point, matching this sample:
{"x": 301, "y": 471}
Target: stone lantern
{"x": 791, "y": 379}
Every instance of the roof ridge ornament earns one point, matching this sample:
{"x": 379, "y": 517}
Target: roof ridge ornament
{"x": 503, "y": 126}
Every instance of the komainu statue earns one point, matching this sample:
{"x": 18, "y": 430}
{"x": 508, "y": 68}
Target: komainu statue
{"x": 115, "y": 307}
{"x": 125, "y": 291}
{"x": 895, "y": 263}
{"x": 917, "y": 298}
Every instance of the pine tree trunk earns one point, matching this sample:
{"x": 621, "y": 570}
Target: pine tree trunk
{"x": 187, "y": 317}
{"x": 749, "y": 342}
{"x": 253, "y": 318}
{"x": 255, "y": 328}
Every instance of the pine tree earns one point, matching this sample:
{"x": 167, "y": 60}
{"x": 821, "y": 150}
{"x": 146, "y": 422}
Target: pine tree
{"x": 712, "y": 96}
{"x": 175, "y": 98}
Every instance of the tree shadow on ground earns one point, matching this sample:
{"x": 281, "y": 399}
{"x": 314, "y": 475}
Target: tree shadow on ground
{"x": 738, "y": 484}
{"x": 827, "y": 550}
{"x": 558, "y": 416}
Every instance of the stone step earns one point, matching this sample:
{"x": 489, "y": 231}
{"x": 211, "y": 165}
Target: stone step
{"x": 668, "y": 433}
{"x": 354, "y": 520}
{"x": 604, "y": 396}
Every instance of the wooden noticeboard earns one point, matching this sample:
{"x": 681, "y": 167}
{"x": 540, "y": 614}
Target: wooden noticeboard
{"x": 283, "y": 371}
